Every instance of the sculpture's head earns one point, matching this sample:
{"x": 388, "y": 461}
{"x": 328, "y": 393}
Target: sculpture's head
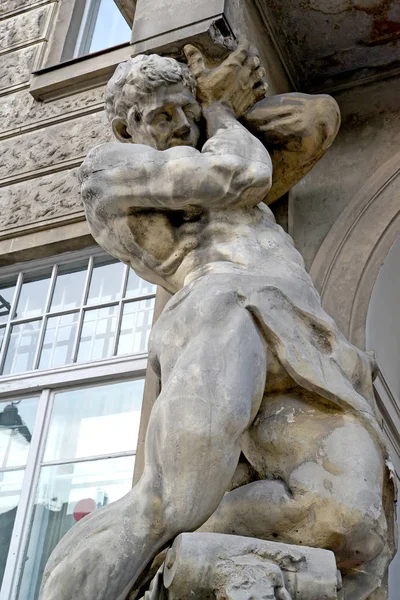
{"x": 151, "y": 100}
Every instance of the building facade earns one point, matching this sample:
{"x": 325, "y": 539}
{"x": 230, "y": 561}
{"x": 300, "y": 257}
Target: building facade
{"x": 74, "y": 323}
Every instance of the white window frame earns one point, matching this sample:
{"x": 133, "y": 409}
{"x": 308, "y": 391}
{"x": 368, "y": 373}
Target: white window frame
{"x": 57, "y": 77}
{"x": 16, "y": 382}
{"x": 44, "y": 384}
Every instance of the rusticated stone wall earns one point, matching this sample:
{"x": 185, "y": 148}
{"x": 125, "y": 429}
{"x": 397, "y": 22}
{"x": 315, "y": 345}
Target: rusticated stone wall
{"x": 41, "y": 144}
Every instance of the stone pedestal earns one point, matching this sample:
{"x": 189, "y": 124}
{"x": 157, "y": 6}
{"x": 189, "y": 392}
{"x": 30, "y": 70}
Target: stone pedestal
{"x": 229, "y": 567}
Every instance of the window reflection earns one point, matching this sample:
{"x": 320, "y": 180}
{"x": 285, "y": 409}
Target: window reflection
{"x": 96, "y": 420}
{"x": 22, "y": 347}
{"x": 2, "y": 332}
{"x": 103, "y": 26}
{"x": 58, "y": 343}
{"x": 46, "y": 339}
{"x": 61, "y": 490}
{"x": 137, "y": 286}
{"x": 32, "y": 298}
{"x": 68, "y": 290}
{"x": 17, "y": 419}
{"x": 135, "y": 327}
{"x": 98, "y": 333}
{"x": 106, "y": 283}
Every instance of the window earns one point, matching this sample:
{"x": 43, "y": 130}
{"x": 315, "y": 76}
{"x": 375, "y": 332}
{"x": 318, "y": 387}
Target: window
{"x": 73, "y": 312}
{"x": 102, "y": 26}
{"x": 88, "y": 40}
{"x": 73, "y": 360}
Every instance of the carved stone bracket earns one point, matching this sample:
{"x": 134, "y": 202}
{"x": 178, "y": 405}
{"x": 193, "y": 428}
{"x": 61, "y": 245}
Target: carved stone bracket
{"x": 165, "y": 27}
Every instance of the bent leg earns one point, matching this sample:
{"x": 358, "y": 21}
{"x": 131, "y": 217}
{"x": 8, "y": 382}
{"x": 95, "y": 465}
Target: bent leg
{"x": 212, "y": 387}
{"x": 213, "y": 366}
{"x": 323, "y": 481}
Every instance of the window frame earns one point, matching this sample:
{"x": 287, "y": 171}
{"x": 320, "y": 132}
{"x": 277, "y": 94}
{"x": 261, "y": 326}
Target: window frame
{"x": 36, "y": 379}
{"x": 44, "y": 384}
{"x": 57, "y": 77}
{"x": 35, "y": 461}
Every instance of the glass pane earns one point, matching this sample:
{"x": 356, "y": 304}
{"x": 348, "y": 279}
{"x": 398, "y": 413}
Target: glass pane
{"x": 58, "y": 341}
{"x": 68, "y": 290}
{"x": 32, "y": 298}
{"x": 6, "y": 299}
{"x": 106, "y": 282}
{"x": 98, "y": 333}
{"x": 10, "y": 490}
{"x": 21, "y": 348}
{"x": 138, "y": 287}
{"x": 65, "y": 494}
{"x": 96, "y": 420}
{"x": 135, "y": 327}
{"x": 17, "y": 420}
{"x": 110, "y": 29}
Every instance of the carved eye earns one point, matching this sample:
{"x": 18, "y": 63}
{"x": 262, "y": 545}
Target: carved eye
{"x": 162, "y": 118}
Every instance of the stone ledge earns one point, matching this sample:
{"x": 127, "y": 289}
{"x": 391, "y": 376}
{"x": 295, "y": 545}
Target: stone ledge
{"x": 79, "y": 74}
{"x": 54, "y": 120}
{"x": 58, "y": 239}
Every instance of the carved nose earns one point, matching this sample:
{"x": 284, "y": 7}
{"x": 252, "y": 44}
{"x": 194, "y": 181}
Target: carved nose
{"x": 182, "y": 124}
{"x": 182, "y": 131}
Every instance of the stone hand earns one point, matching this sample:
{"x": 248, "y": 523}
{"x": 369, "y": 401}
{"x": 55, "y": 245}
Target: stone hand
{"x": 237, "y": 82}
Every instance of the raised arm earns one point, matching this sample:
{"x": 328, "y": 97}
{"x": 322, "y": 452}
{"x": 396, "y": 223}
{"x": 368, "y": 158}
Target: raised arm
{"x": 296, "y": 129}
{"x": 233, "y": 169}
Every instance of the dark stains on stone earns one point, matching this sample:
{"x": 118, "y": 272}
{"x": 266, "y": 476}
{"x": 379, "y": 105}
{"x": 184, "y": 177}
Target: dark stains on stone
{"x": 384, "y": 30}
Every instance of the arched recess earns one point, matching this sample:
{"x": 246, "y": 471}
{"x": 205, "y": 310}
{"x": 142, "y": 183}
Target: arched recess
{"x": 348, "y": 261}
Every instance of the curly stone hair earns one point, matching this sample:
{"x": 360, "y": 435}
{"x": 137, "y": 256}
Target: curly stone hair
{"x": 142, "y": 75}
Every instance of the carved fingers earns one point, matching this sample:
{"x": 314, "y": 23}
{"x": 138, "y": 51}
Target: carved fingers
{"x": 237, "y": 82}
{"x": 195, "y": 60}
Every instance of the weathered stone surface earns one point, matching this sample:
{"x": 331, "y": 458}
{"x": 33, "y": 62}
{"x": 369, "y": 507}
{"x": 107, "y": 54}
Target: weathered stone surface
{"x": 368, "y": 138}
{"x": 202, "y": 565}
{"x": 8, "y": 6}
{"x": 16, "y": 67}
{"x": 22, "y": 110}
{"x": 43, "y": 198}
{"x": 23, "y": 28}
{"x": 250, "y": 363}
{"x": 52, "y": 145}
{"x": 360, "y": 39}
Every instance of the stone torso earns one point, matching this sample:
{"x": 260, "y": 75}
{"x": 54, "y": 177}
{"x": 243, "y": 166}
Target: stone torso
{"x": 189, "y": 243}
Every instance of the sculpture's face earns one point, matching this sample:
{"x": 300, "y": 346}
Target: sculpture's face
{"x": 169, "y": 118}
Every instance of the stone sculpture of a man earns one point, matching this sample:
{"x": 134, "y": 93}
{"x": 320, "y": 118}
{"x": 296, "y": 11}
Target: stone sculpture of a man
{"x": 248, "y": 359}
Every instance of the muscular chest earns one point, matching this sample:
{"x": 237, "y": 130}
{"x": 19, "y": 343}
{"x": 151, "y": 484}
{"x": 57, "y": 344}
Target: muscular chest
{"x": 161, "y": 233}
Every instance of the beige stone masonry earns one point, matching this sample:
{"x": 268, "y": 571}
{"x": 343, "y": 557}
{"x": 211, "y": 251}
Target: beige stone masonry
{"x": 25, "y": 28}
{"x": 51, "y": 146}
{"x": 32, "y": 202}
{"x": 16, "y": 68}
{"x": 47, "y": 242}
{"x": 21, "y": 113}
{"x": 12, "y": 7}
